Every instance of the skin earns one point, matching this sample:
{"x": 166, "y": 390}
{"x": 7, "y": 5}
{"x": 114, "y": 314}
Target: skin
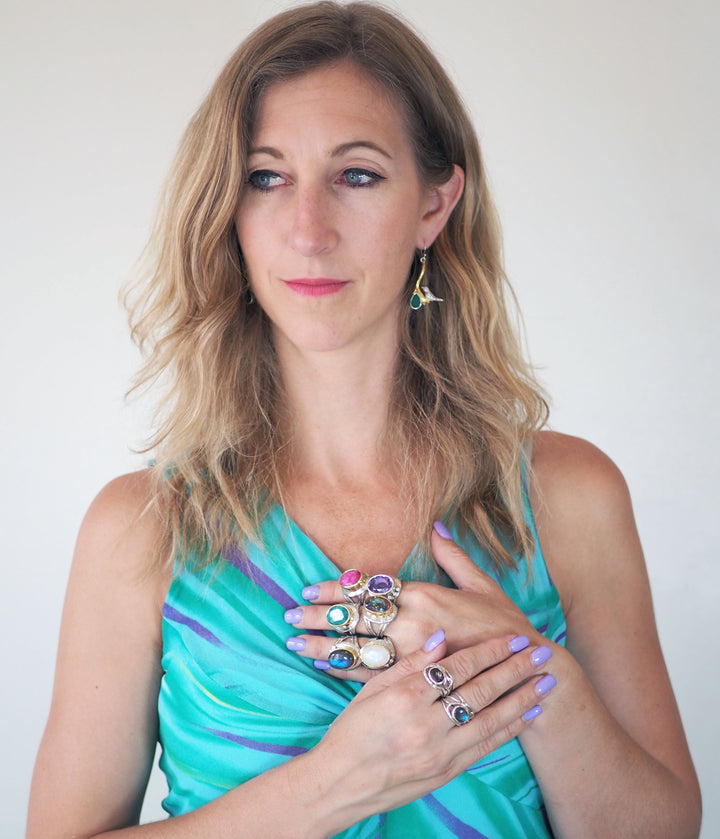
{"x": 608, "y": 749}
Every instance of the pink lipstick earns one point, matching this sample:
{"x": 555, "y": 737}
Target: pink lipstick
{"x": 315, "y": 286}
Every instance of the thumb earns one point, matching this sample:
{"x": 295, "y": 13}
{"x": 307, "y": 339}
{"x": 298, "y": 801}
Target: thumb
{"x": 454, "y": 561}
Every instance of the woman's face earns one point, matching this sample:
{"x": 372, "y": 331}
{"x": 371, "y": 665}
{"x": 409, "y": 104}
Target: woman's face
{"x": 332, "y": 211}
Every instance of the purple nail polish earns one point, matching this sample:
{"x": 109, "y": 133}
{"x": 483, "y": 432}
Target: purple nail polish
{"x": 321, "y": 664}
{"x": 434, "y": 640}
{"x": 546, "y": 684}
{"x": 293, "y": 616}
{"x": 442, "y": 529}
{"x": 530, "y": 715}
{"x": 540, "y": 655}
{"x": 297, "y": 645}
{"x": 311, "y": 592}
{"x": 520, "y": 642}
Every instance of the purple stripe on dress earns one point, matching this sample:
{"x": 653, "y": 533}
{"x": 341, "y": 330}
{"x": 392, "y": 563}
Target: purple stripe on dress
{"x": 273, "y": 748}
{"x": 489, "y": 763}
{"x": 255, "y": 575}
{"x": 451, "y": 821}
{"x": 560, "y": 636}
{"x": 172, "y": 614}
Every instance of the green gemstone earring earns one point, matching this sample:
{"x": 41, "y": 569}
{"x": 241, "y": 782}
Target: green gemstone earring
{"x": 422, "y": 295}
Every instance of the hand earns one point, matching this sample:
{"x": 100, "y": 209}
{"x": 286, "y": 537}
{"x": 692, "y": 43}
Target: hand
{"x": 395, "y": 742}
{"x": 477, "y": 610}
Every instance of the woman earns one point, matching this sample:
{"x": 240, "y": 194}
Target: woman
{"x": 325, "y": 304}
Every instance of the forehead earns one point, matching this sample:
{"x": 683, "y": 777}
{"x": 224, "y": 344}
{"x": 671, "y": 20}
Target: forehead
{"x": 340, "y": 96}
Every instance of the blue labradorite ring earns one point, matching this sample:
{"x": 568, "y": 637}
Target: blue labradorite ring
{"x": 457, "y": 709}
{"x": 439, "y": 678}
{"x": 345, "y": 653}
{"x": 343, "y": 617}
{"x": 384, "y": 585}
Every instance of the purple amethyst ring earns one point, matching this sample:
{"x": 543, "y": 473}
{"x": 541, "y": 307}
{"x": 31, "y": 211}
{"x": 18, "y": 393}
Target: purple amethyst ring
{"x": 439, "y": 678}
{"x": 384, "y": 585}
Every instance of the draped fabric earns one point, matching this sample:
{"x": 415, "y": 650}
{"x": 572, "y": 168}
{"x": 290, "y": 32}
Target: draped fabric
{"x": 234, "y": 701}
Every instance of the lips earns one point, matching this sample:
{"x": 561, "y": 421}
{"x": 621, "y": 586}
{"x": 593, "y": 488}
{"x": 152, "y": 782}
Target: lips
{"x": 315, "y": 286}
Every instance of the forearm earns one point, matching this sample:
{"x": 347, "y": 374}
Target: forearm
{"x": 595, "y": 779}
{"x": 294, "y": 799}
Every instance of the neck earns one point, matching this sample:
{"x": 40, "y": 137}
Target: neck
{"x": 338, "y": 403}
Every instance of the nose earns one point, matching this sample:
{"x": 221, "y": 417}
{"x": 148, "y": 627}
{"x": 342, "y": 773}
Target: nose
{"x": 313, "y": 228}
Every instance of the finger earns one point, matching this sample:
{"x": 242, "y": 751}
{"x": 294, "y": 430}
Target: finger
{"x": 510, "y": 674}
{"x": 455, "y": 562}
{"x": 432, "y": 651}
{"x": 327, "y": 591}
{"x": 317, "y": 617}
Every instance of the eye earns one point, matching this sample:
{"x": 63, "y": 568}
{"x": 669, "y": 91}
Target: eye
{"x": 361, "y": 177}
{"x": 264, "y": 180}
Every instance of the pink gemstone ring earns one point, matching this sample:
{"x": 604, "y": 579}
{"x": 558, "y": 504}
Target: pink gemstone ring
{"x": 353, "y": 584}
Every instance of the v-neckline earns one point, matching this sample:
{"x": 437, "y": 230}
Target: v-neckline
{"x": 299, "y": 533}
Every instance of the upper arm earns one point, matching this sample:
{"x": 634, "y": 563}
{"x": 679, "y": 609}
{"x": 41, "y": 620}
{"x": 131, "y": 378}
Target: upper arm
{"x": 100, "y": 738}
{"x": 591, "y": 545}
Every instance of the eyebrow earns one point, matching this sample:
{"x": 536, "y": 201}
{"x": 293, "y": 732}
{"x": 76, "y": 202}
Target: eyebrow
{"x": 338, "y": 151}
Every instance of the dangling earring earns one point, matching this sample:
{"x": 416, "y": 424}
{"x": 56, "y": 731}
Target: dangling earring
{"x": 249, "y": 296}
{"x": 422, "y": 295}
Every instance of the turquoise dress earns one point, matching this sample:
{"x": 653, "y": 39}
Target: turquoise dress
{"x": 234, "y": 701}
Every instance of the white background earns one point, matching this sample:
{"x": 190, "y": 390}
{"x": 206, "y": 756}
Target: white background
{"x": 599, "y": 123}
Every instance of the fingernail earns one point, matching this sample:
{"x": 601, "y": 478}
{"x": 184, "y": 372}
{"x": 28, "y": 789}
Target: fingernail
{"x": 311, "y": 592}
{"x": 321, "y": 664}
{"x": 540, "y": 655}
{"x": 546, "y": 684}
{"x": 297, "y": 645}
{"x": 434, "y": 640}
{"x": 293, "y": 616}
{"x": 530, "y": 715}
{"x": 520, "y": 642}
{"x": 442, "y": 529}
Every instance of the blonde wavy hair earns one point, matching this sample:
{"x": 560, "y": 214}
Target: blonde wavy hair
{"x": 464, "y": 402}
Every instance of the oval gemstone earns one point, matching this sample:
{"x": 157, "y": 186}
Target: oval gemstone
{"x": 338, "y": 615}
{"x": 461, "y": 714}
{"x": 341, "y": 659}
{"x": 378, "y": 604}
{"x": 415, "y": 302}
{"x": 350, "y": 578}
{"x": 375, "y": 656}
{"x": 380, "y": 584}
{"x": 437, "y": 675}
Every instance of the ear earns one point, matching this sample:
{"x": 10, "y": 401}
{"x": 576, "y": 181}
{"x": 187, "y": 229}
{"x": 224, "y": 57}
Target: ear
{"x": 441, "y": 202}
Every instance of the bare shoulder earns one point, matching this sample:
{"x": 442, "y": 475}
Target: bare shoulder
{"x": 122, "y": 531}
{"x": 584, "y": 516}
{"x": 574, "y": 472}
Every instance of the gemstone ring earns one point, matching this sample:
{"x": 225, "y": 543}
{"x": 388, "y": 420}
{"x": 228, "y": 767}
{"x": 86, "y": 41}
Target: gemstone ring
{"x": 345, "y": 653}
{"x": 378, "y": 612}
{"x": 377, "y": 653}
{"x": 343, "y": 617}
{"x": 384, "y": 585}
{"x": 457, "y": 709}
{"x": 353, "y": 584}
{"x": 439, "y": 678}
